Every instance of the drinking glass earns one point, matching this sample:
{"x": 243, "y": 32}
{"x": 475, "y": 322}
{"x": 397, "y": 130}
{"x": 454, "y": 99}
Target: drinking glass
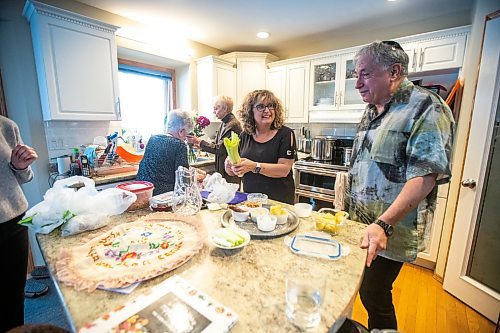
{"x": 304, "y": 299}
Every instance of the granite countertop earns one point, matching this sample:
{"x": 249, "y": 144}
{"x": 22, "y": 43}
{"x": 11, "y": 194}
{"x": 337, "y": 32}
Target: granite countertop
{"x": 130, "y": 175}
{"x": 250, "y": 281}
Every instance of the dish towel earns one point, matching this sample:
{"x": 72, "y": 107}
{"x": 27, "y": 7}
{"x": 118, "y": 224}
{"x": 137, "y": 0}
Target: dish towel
{"x": 341, "y": 182}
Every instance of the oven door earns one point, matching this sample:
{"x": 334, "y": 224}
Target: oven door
{"x": 316, "y": 180}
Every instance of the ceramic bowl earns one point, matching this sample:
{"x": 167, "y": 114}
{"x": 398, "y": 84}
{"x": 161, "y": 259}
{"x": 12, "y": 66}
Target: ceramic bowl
{"x": 240, "y": 213}
{"x": 266, "y": 222}
{"x": 303, "y": 209}
{"x": 256, "y": 212}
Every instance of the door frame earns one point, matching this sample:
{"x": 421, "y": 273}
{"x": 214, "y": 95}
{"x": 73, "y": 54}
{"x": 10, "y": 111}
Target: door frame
{"x": 479, "y": 297}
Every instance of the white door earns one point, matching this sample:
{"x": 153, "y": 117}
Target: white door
{"x": 473, "y": 268}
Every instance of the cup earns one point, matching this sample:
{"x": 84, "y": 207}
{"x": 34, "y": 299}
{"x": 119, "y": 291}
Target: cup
{"x": 304, "y": 299}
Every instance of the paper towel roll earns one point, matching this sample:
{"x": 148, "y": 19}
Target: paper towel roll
{"x": 63, "y": 164}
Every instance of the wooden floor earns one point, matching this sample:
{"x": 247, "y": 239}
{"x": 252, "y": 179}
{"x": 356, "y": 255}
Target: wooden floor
{"x": 422, "y": 306}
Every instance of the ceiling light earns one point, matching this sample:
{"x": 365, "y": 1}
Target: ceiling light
{"x": 263, "y": 35}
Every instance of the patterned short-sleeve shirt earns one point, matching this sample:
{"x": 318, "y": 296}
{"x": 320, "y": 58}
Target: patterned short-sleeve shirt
{"x": 412, "y": 137}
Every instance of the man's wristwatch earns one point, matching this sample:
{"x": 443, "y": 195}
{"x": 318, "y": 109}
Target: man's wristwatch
{"x": 257, "y": 168}
{"x": 388, "y": 229}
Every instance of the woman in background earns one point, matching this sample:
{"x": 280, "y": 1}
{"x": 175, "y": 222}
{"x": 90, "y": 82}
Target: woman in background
{"x": 267, "y": 148}
{"x": 166, "y": 152}
{"x": 15, "y": 161}
{"x": 223, "y": 110}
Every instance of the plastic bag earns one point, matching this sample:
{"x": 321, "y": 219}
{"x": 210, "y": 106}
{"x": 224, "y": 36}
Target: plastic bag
{"x": 220, "y": 190}
{"x": 75, "y": 203}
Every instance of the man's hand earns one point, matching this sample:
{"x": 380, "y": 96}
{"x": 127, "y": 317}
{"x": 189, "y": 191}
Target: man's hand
{"x": 375, "y": 241}
{"x": 22, "y": 156}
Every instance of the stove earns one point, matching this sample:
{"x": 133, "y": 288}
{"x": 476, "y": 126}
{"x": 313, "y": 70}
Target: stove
{"x": 315, "y": 181}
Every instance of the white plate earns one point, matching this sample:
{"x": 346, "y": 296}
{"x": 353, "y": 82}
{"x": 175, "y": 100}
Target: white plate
{"x": 240, "y": 232}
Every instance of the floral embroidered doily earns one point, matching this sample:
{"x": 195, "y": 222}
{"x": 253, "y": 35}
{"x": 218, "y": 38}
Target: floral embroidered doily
{"x": 131, "y": 252}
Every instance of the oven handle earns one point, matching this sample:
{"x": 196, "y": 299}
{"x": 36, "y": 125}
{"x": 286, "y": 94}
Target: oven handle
{"x": 316, "y": 171}
{"x": 313, "y": 195}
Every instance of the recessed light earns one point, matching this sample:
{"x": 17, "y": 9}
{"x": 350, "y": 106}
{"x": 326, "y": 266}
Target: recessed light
{"x": 263, "y": 35}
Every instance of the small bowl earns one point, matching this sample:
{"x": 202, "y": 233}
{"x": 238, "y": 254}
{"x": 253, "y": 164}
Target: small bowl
{"x": 281, "y": 219}
{"x": 280, "y": 213}
{"x": 252, "y": 204}
{"x": 303, "y": 209}
{"x": 240, "y": 213}
{"x": 256, "y": 212}
{"x": 257, "y": 197}
{"x": 330, "y": 220}
{"x": 266, "y": 222}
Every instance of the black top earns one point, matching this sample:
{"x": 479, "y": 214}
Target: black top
{"x": 163, "y": 155}
{"x": 282, "y": 145}
{"x": 228, "y": 125}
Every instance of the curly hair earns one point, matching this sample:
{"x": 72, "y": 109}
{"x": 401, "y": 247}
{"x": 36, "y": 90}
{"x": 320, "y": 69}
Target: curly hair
{"x": 247, "y": 115}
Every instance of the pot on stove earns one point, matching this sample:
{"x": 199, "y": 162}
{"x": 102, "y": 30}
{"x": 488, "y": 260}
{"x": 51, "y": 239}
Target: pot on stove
{"x": 322, "y": 148}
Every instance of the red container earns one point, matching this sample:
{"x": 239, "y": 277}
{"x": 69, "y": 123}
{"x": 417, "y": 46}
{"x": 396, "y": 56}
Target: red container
{"x": 143, "y": 190}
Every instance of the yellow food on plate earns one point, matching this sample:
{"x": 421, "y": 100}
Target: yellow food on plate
{"x": 340, "y": 216}
{"x": 329, "y": 222}
{"x": 277, "y": 210}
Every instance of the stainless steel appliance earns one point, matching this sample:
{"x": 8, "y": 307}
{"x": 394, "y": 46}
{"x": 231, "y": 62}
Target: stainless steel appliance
{"x": 322, "y": 148}
{"x": 315, "y": 181}
{"x": 329, "y": 148}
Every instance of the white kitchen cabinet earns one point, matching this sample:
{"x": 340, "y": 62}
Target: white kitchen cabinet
{"x": 215, "y": 77}
{"x": 333, "y": 96}
{"x": 428, "y": 257}
{"x": 290, "y": 83}
{"x": 76, "y": 63}
{"x": 436, "y": 51}
{"x": 251, "y": 70}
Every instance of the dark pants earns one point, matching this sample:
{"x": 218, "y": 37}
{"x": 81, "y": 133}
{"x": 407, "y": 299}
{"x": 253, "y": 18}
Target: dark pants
{"x": 376, "y": 293}
{"x": 14, "y": 250}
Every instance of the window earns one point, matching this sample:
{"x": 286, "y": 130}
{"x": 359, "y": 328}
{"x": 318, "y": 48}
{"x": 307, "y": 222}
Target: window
{"x": 146, "y": 96}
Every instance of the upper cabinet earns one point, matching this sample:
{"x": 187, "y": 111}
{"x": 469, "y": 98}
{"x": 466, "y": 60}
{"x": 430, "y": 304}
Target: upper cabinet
{"x": 290, "y": 83}
{"x": 436, "y": 51}
{"x": 76, "y": 64}
{"x": 250, "y": 72}
{"x": 333, "y": 84}
{"x": 215, "y": 77}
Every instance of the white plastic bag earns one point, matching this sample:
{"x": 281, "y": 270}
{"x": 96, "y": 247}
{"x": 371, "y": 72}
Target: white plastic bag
{"x": 77, "y": 210}
{"x": 220, "y": 190}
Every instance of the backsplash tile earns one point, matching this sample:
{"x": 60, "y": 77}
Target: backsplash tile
{"x": 63, "y": 136}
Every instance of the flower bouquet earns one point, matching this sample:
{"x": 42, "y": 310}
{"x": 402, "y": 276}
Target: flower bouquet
{"x": 200, "y": 123}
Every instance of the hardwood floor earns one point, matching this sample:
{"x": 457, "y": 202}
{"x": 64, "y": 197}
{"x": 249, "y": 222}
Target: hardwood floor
{"x": 422, "y": 306}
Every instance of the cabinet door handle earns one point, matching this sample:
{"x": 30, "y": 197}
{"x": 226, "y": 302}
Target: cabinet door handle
{"x": 470, "y": 183}
{"x": 341, "y": 95}
{"x": 118, "y": 109}
{"x": 421, "y": 61}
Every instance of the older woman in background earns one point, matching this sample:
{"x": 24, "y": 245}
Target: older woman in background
{"x": 166, "y": 152}
{"x": 223, "y": 107}
{"x": 267, "y": 148}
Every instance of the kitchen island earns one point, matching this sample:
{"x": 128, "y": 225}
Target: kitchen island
{"x": 250, "y": 281}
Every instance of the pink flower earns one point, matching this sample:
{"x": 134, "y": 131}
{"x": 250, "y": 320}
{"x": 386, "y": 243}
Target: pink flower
{"x": 201, "y": 123}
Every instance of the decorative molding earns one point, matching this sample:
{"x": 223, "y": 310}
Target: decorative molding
{"x": 33, "y": 7}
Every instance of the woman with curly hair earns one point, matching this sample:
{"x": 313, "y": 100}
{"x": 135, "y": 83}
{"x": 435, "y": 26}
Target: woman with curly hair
{"x": 267, "y": 148}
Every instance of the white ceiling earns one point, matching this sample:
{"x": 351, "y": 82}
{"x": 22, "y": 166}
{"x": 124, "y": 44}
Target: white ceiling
{"x": 231, "y": 25}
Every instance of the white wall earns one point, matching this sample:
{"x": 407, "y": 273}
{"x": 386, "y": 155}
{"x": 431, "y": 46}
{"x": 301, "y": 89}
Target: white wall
{"x": 470, "y": 73}
{"x": 21, "y": 90}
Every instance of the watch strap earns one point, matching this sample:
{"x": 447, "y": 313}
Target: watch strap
{"x": 388, "y": 229}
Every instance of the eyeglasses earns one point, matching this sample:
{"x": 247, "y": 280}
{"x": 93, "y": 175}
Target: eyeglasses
{"x": 262, "y": 107}
{"x": 395, "y": 45}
